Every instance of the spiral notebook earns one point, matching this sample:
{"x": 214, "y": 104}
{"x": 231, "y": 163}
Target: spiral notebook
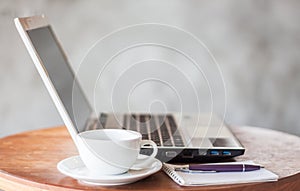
{"x": 217, "y": 178}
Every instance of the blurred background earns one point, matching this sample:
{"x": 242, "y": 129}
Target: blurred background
{"x": 256, "y": 44}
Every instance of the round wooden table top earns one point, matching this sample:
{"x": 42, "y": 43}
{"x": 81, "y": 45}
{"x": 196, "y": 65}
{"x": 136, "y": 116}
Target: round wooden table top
{"x": 28, "y": 162}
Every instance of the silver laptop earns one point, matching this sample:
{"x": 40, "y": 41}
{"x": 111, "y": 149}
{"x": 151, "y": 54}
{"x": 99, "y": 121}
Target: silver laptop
{"x": 180, "y": 137}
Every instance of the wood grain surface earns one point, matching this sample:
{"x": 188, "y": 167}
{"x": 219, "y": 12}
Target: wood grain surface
{"x": 28, "y": 162}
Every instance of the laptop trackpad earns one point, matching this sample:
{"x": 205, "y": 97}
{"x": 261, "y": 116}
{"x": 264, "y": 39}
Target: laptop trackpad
{"x": 212, "y": 142}
{"x": 223, "y": 142}
{"x": 200, "y": 142}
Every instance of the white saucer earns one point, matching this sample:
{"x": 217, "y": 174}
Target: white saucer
{"x": 74, "y": 167}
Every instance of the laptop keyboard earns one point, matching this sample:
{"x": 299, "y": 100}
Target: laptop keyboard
{"x": 162, "y": 129}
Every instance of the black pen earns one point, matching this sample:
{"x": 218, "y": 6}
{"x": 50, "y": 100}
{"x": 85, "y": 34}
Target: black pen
{"x": 218, "y": 168}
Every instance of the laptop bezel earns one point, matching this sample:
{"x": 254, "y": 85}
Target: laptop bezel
{"x": 29, "y": 23}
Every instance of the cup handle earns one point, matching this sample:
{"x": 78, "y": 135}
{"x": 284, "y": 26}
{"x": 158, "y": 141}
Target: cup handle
{"x": 142, "y": 163}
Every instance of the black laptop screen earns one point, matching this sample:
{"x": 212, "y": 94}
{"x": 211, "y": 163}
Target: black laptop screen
{"x": 61, "y": 75}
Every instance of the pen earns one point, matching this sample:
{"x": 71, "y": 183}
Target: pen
{"x": 218, "y": 168}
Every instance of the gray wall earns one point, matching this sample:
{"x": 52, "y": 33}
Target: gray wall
{"x": 256, "y": 44}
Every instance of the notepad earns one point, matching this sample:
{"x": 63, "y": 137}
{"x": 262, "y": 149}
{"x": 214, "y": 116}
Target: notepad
{"x": 218, "y": 178}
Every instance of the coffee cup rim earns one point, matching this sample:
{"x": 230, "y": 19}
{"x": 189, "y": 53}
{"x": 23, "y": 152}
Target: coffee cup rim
{"x": 82, "y": 134}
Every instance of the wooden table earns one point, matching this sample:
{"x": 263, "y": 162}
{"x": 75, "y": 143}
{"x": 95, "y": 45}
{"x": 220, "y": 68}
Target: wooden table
{"x": 28, "y": 162}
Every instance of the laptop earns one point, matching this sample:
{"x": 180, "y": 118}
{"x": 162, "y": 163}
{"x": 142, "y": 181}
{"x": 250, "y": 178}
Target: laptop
{"x": 179, "y": 137}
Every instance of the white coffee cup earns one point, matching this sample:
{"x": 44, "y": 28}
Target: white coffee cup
{"x": 112, "y": 151}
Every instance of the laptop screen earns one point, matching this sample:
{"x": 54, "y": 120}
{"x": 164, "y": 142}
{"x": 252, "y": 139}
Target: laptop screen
{"x": 62, "y": 76}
